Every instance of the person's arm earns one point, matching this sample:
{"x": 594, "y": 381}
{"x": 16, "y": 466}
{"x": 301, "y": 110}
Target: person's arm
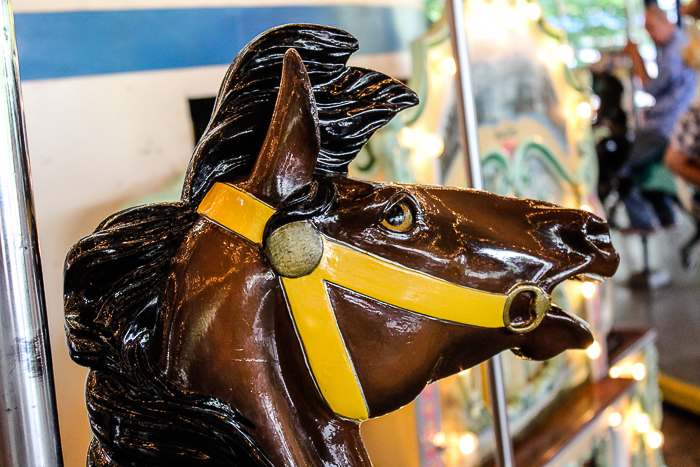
{"x": 682, "y": 165}
{"x": 640, "y": 70}
{"x": 672, "y": 69}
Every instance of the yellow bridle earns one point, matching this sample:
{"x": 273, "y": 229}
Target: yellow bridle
{"x": 369, "y": 275}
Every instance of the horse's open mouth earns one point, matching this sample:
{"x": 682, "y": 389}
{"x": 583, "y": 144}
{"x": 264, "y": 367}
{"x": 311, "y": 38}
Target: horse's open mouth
{"x": 558, "y": 331}
{"x": 528, "y": 304}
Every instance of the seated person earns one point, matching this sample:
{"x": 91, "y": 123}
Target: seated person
{"x": 674, "y": 90}
{"x": 683, "y": 158}
{"x": 683, "y": 154}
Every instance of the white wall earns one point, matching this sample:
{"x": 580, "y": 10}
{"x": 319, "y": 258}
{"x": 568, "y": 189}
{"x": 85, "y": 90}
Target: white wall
{"x": 98, "y": 142}
{"x": 95, "y": 143}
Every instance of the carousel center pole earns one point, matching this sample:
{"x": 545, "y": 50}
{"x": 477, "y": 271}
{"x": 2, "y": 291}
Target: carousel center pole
{"x": 28, "y": 420}
{"x": 469, "y": 139}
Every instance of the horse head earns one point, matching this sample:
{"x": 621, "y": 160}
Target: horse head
{"x": 297, "y": 301}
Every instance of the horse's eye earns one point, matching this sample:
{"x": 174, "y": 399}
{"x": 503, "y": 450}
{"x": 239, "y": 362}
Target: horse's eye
{"x": 398, "y": 218}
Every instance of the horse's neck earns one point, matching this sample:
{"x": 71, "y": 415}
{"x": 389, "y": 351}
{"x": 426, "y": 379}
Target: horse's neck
{"x": 228, "y": 334}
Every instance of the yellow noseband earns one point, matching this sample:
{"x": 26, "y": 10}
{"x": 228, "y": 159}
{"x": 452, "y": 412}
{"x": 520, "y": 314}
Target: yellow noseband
{"x": 369, "y": 275}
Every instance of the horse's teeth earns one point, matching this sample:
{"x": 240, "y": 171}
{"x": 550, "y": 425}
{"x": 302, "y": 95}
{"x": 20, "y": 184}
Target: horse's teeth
{"x": 588, "y": 277}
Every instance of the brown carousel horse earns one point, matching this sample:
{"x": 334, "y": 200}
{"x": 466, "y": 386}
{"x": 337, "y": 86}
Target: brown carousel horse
{"x": 280, "y": 303}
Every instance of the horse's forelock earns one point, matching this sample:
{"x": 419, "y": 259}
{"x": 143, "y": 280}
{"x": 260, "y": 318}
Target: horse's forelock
{"x": 352, "y": 104}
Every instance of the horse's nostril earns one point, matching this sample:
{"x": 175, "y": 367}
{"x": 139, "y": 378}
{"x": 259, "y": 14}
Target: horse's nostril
{"x": 596, "y": 227}
{"x": 519, "y": 312}
{"x": 598, "y": 234}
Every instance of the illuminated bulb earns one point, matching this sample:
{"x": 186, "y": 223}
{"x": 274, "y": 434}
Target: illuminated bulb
{"x": 439, "y": 439}
{"x": 594, "y": 350}
{"x": 654, "y": 439}
{"x": 431, "y": 145}
{"x": 465, "y": 372}
{"x": 566, "y": 53}
{"x": 585, "y": 207}
{"x": 638, "y": 371}
{"x": 615, "y": 419}
{"x": 467, "y": 444}
{"x": 533, "y": 11}
{"x": 584, "y": 110}
{"x": 615, "y": 372}
{"x": 448, "y": 66}
{"x": 510, "y": 19}
{"x": 588, "y": 289}
{"x": 407, "y": 137}
{"x": 641, "y": 423}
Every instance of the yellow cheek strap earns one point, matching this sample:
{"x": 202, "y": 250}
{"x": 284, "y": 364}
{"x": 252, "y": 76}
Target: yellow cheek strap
{"x": 369, "y": 275}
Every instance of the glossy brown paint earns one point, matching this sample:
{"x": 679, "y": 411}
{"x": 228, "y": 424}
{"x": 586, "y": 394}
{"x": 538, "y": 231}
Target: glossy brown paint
{"x": 221, "y": 328}
{"x": 229, "y": 334}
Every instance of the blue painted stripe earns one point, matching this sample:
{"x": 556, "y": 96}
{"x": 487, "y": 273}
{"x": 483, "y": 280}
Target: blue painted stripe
{"x": 56, "y": 45}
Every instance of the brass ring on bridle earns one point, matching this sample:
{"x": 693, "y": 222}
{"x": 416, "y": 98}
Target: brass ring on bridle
{"x": 539, "y": 306}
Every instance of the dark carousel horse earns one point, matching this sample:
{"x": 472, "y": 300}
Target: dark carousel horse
{"x": 259, "y": 320}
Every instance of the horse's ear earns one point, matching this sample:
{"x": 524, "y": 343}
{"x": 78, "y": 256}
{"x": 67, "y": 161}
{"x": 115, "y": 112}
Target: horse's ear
{"x": 288, "y": 156}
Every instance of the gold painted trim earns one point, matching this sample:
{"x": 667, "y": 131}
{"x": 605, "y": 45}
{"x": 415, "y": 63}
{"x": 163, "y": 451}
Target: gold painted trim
{"x": 324, "y": 347}
{"x": 411, "y": 290}
{"x": 679, "y": 393}
{"x": 237, "y": 211}
{"x": 367, "y": 274}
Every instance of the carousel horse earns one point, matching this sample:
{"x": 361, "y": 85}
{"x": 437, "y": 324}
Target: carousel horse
{"x": 280, "y": 303}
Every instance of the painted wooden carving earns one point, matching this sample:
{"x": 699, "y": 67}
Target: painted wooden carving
{"x": 280, "y": 303}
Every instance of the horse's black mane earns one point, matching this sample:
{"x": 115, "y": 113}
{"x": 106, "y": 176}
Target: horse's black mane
{"x": 114, "y": 278}
{"x": 352, "y": 104}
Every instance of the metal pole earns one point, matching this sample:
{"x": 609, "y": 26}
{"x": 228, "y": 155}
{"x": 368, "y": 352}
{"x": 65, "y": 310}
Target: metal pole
{"x": 499, "y": 405}
{"x": 633, "y": 36}
{"x": 28, "y": 420}
{"x": 466, "y": 111}
{"x": 469, "y": 138}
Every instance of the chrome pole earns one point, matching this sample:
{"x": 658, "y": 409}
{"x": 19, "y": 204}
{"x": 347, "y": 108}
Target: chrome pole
{"x": 633, "y": 36}
{"x": 499, "y": 406}
{"x": 466, "y": 111}
{"x": 28, "y": 420}
{"x": 469, "y": 138}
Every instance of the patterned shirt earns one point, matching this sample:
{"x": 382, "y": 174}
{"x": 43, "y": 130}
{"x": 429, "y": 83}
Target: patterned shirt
{"x": 673, "y": 89}
{"x": 686, "y": 133}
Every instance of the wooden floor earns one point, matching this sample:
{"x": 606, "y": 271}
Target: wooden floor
{"x": 681, "y": 438}
{"x": 674, "y": 311}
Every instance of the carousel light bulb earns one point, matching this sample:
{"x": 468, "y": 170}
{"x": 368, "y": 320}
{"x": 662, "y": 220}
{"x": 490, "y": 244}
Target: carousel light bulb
{"x": 565, "y": 53}
{"x": 615, "y": 419}
{"x": 642, "y": 423}
{"x": 615, "y": 372}
{"x": 533, "y": 11}
{"x": 439, "y": 439}
{"x": 584, "y": 110}
{"x": 465, "y": 372}
{"x": 585, "y": 207}
{"x": 467, "y": 444}
{"x": 407, "y": 137}
{"x": 654, "y": 439}
{"x": 638, "y": 371}
{"x": 594, "y": 350}
{"x": 431, "y": 145}
{"x": 509, "y": 18}
{"x": 588, "y": 289}
{"x": 448, "y": 66}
